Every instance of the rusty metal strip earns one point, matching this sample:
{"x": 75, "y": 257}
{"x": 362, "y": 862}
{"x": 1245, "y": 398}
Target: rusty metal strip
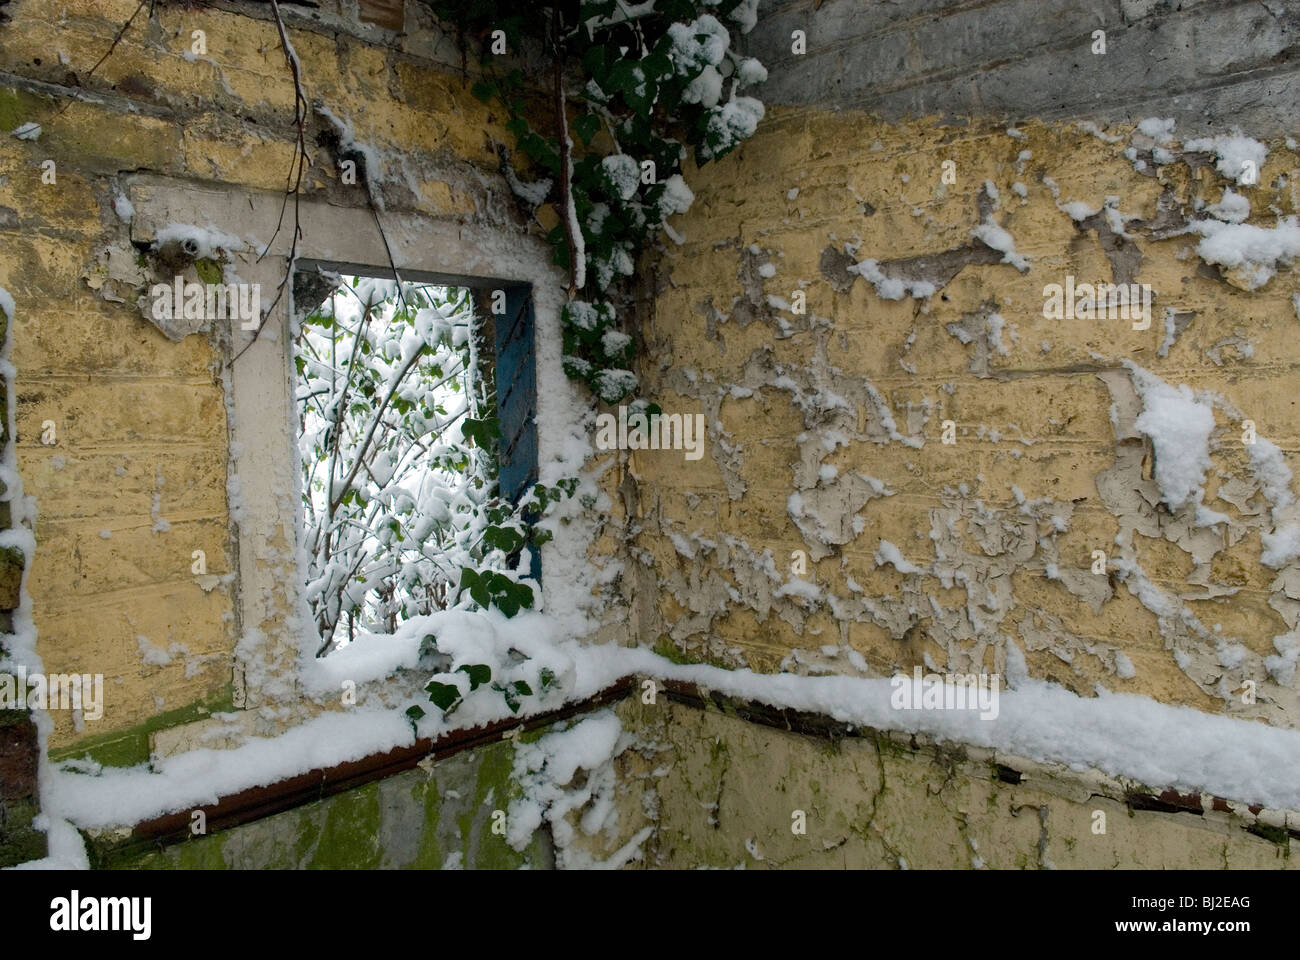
{"x": 257, "y": 803}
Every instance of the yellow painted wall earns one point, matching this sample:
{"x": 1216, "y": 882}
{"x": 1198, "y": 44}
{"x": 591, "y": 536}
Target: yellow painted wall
{"x": 139, "y": 417}
{"x": 1036, "y": 419}
{"x": 727, "y": 794}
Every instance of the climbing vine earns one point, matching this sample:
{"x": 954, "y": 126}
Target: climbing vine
{"x": 637, "y": 87}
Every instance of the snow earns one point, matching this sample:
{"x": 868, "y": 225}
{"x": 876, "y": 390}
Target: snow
{"x": 996, "y": 324}
{"x": 1280, "y": 547}
{"x": 1119, "y": 734}
{"x": 733, "y": 122}
{"x": 750, "y": 71}
{"x": 891, "y": 288}
{"x": 551, "y": 763}
{"x": 534, "y": 193}
{"x": 623, "y": 174}
{"x": 890, "y": 554}
{"x": 992, "y": 235}
{"x": 1254, "y": 251}
{"x": 1233, "y": 208}
{"x": 123, "y": 207}
{"x": 27, "y": 131}
{"x": 701, "y": 43}
{"x": 706, "y": 88}
{"x": 677, "y": 197}
{"x": 1240, "y": 159}
{"x": 1158, "y": 129}
{"x": 1268, "y": 464}
{"x": 204, "y": 242}
{"x": 1171, "y": 332}
{"x": 1123, "y": 735}
{"x": 797, "y": 587}
{"x": 1179, "y": 426}
{"x": 612, "y": 385}
{"x": 745, "y": 14}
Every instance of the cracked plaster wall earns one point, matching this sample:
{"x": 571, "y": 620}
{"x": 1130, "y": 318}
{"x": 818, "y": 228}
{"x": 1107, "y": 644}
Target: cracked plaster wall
{"x": 824, "y": 427}
{"x": 723, "y": 791}
{"x": 141, "y": 413}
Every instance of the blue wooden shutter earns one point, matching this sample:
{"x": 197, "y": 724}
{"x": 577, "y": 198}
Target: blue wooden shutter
{"x": 516, "y": 376}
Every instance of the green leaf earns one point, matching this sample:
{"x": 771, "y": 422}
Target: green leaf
{"x": 586, "y": 126}
{"x": 414, "y": 714}
{"x": 505, "y": 539}
{"x": 482, "y": 90}
{"x": 443, "y": 695}
{"x": 479, "y": 674}
{"x": 482, "y": 432}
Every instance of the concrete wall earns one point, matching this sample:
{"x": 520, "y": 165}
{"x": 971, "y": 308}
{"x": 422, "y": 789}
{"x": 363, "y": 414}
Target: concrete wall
{"x": 1212, "y": 64}
{"x": 733, "y": 789}
{"x": 439, "y": 817}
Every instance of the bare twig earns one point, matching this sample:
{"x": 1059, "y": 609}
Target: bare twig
{"x": 293, "y": 181}
{"x": 111, "y": 47}
{"x": 566, "y": 162}
{"x": 379, "y": 415}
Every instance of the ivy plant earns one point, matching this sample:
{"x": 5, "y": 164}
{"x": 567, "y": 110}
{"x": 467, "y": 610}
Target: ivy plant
{"x": 637, "y": 88}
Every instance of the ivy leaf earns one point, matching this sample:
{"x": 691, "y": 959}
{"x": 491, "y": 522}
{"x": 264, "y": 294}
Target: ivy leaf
{"x": 505, "y": 539}
{"x": 482, "y": 432}
{"x": 471, "y": 581}
{"x": 622, "y": 77}
{"x": 657, "y": 66}
{"x": 445, "y": 696}
{"x": 414, "y": 714}
{"x": 479, "y": 674}
{"x": 482, "y": 90}
{"x": 593, "y": 61}
{"x": 586, "y": 126}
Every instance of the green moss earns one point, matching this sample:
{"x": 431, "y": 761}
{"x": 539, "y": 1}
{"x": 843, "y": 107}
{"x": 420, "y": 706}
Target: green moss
{"x": 17, "y": 108}
{"x": 1277, "y": 835}
{"x": 532, "y": 736}
{"x": 349, "y": 839}
{"x": 200, "y": 853}
{"x": 19, "y": 841}
{"x": 430, "y": 855}
{"x": 307, "y": 835}
{"x": 129, "y": 747}
{"x": 493, "y": 790}
{"x": 670, "y": 651}
{"x": 209, "y": 271}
